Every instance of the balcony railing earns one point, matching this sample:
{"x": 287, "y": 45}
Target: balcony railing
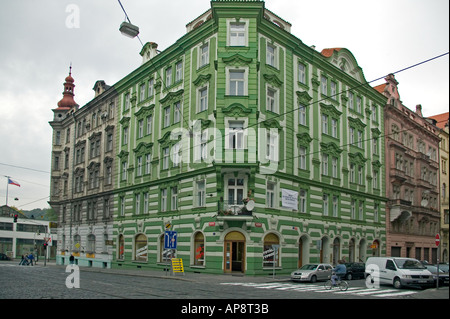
{"x": 233, "y": 208}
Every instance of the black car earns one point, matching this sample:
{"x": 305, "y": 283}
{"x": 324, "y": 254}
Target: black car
{"x": 4, "y": 257}
{"x": 355, "y": 270}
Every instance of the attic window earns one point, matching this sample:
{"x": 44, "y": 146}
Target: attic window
{"x": 279, "y": 24}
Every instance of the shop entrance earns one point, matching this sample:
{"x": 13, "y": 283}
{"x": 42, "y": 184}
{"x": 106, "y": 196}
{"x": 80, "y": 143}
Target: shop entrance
{"x": 234, "y": 252}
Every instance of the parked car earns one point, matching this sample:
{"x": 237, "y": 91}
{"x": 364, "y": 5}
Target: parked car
{"x": 443, "y": 275}
{"x": 355, "y": 270}
{"x": 399, "y": 272}
{"x": 4, "y": 257}
{"x": 312, "y": 272}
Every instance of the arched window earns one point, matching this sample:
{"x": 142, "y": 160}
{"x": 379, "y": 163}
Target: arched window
{"x": 271, "y": 253}
{"x": 90, "y": 243}
{"x": 121, "y": 250}
{"x": 140, "y": 248}
{"x": 199, "y": 249}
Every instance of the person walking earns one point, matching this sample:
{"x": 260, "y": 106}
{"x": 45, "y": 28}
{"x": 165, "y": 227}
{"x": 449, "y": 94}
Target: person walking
{"x": 31, "y": 258}
{"x": 72, "y": 259}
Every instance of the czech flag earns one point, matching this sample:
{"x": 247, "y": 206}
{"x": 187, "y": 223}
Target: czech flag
{"x": 10, "y": 181}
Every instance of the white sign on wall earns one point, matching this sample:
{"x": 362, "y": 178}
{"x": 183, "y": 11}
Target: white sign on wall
{"x": 289, "y": 198}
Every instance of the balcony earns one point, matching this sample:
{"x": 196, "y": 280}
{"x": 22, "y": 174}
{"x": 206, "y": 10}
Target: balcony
{"x": 234, "y": 211}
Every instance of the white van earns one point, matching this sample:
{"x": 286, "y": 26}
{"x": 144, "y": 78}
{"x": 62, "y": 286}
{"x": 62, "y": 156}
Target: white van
{"x": 399, "y": 271}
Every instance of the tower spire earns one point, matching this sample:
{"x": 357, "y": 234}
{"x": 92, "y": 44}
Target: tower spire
{"x": 67, "y": 102}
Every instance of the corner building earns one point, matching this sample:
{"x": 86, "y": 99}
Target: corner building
{"x": 257, "y": 149}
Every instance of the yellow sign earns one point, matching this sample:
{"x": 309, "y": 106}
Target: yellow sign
{"x": 177, "y": 265}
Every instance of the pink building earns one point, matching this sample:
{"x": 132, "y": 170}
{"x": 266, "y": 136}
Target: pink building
{"x": 412, "y": 178}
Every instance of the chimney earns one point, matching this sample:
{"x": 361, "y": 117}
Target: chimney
{"x": 419, "y": 110}
{"x": 149, "y": 51}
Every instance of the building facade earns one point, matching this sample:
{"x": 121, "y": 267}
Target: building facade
{"x": 82, "y": 180}
{"x": 260, "y": 151}
{"x": 442, "y": 122}
{"x": 412, "y": 178}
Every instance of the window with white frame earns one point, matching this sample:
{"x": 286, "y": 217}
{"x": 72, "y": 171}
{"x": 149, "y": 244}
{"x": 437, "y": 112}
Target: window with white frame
{"x": 302, "y": 157}
{"x": 177, "y": 112}
{"x": 163, "y": 199}
{"x": 165, "y": 159}
{"x": 235, "y": 135}
{"x": 200, "y": 193}
{"x": 204, "y": 55}
{"x": 139, "y": 166}
{"x": 148, "y": 163}
{"x": 140, "y": 128}
{"x": 272, "y": 145}
{"x": 270, "y": 195}
{"x": 325, "y": 164}
{"x": 151, "y": 87}
{"x": 137, "y": 204}
{"x": 202, "y": 99}
{"x": 324, "y": 85}
{"x": 168, "y": 76}
{"x": 302, "y": 202}
{"x": 237, "y": 85}
{"x": 124, "y": 170}
{"x": 272, "y": 100}
{"x": 335, "y": 206}
{"x": 167, "y": 116}
{"x": 149, "y": 124}
{"x": 142, "y": 92}
{"x": 325, "y": 208}
{"x": 174, "y": 198}
{"x": 146, "y": 203}
{"x": 237, "y": 34}
{"x": 302, "y": 73}
{"x": 333, "y": 87}
{"x": 178, "y": 71}
{"x": 176, "y": 154}
{"x": 302, "y": 115}
{"x": 271, "y": 55}
{"x": 334, "y": 167}
{"x": 235, "y": 190}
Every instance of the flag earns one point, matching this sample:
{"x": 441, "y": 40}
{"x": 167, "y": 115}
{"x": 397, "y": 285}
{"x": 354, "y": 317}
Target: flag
{"x": 10, "y": 181}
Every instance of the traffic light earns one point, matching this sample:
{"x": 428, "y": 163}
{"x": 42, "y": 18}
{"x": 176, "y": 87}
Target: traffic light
{"x": 45, "y": 245}
{"x": 15, "y": 218}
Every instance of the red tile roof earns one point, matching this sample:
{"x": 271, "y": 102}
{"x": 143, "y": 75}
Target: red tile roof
{"x": 441, "y": 119}
{"x": 329, "y": 52}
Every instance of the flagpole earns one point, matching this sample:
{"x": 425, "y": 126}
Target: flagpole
{"x": 7, "y": 184}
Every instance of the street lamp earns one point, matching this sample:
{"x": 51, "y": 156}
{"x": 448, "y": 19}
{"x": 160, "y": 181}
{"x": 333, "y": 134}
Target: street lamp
{"x": 129, "y": 30}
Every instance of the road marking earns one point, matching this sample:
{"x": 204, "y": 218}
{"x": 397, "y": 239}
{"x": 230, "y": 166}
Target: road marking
{"x": 357, "y": 291}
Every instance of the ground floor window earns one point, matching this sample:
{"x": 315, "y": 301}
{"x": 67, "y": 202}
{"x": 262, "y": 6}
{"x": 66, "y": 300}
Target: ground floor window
{"x": 199, "y": 249}
{"x": 140, "y": 246}
{"x": 271, "y": 251}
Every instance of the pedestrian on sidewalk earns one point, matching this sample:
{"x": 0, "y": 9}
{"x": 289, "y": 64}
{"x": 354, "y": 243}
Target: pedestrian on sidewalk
{"x": 31, "y": 258}
{"x": 71, "y": 259}
{"x": 22, "y": 261}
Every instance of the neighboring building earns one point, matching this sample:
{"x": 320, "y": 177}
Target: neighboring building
{"x": 442, "y": 122}
{"x": 412, "y": 187}
{"x": 82, "y": 181}
{"x": 246, "y": 141}
{"x": 25, "y": 236}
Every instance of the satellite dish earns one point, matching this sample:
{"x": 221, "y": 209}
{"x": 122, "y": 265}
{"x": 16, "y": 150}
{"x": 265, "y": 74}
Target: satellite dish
{"x": 250, "y": 205}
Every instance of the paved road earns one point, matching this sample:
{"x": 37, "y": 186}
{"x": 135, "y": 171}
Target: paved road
{"x": 38, "y": 282}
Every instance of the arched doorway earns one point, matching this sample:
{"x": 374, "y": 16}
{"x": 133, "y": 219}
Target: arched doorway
{"x": 336, "y": 251}
{"x": 140, "y": 247}
{"x": 234, "y": 252}
{"x": 303, "y": 251}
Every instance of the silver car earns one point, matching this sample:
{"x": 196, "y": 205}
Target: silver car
{"x": 312, "y": 272}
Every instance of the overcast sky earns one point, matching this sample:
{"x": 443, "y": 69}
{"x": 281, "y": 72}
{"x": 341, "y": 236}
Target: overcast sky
{"x": 40, "y": 38}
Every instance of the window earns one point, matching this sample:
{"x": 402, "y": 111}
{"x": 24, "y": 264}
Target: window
{"x": 235, "y": 188}
{"x": 200, "y": 196}
{"x": 302, "y": 115}
{"x": 146, "y": 203}
{"x": 236, "y": 135}
{"x": 302, "y": 203}
{"x": 324, "y": 164}
{"x": 199, "y": 249}
{"x": 272, "y": 97}
{"x": 164, "y": 199}
{"x": 351, "y": 101}
{"x": 137, "y": 204}
{"x": 140, "y": 245}
{"x": 176, "y": 154}
{"x": 272, "y": 146}
{"x": 167, "y": 116}
{"x": 335, "y": 206}
{"x": 270, "y": 195}
{"x": 203, "y": 99}
{"x": 204, "y": 55}
{"x": 142, "y": 92}
{"x": 302, "y": 157}
{"x": 169, "y": 77}
{"x": 139, "y": 166}
{"x": 271, "y": 253}
{"x": 237, "y": 34}
{"x": 151, "y": 87}
{"x": 165, "y": 163}
{"x": 333, "y": 86}
{"x": 334, "y": 166}
{"x": 352, "y": 173}
{"x": 324, "y": 124}
{"x": 174, "y": 201}
{"x": 127, "y": 102}
{"x": 177, "y": 112}
{"x": 148, "y": 163}
{"x": 178, "y": 72}
{"x": 325, "y": 204}
{"x": 124, "y": 170}
{"x": 237, "y": 82}
{"x": 324, "y": 85}
{"x": 140, "y": 128}
{"x": 270, "y": 56}
{"x": 125, "y": 136}
{"x": 302, "y": 73}
{"x": 358, "y": 104}
{"x": 122, "y": 206}
{"x": 149, "y": 124}
{"x": 334, "y": 127}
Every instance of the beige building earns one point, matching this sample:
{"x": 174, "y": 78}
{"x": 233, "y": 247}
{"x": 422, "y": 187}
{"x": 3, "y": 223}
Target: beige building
{"x": 442, "y": 122}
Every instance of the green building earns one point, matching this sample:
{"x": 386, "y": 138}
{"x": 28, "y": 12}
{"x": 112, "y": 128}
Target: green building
{"x": 260, "y": 151}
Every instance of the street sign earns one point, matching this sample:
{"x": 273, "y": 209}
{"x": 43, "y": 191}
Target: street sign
{"x": 177, "y": 265}
{"x": 437, "y": 240}
{"x": 170, "y": 239}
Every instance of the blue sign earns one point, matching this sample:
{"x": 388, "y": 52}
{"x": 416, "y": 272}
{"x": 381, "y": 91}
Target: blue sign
{"x": 170, "y": 239}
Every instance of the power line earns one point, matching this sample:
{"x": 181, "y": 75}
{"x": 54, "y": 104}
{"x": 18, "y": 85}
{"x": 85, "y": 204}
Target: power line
{"x": 27, "y": 168}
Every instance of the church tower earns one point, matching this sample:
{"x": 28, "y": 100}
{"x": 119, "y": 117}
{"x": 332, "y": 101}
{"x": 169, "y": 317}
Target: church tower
{"x": 67, "y": 103}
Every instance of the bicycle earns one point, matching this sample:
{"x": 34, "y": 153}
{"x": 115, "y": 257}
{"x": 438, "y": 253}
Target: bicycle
{"x": 341, "y": 284}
